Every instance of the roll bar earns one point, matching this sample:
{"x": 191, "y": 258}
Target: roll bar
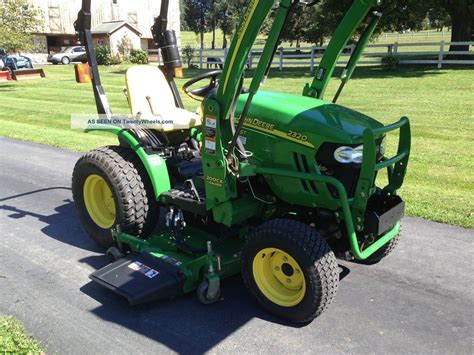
{"x": 83, "y": 29}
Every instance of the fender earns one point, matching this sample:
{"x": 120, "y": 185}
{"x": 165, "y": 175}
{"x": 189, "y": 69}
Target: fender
{"x": 153, "y": 163}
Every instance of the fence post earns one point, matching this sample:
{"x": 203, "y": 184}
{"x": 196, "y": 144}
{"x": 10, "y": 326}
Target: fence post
{"x": 441, "y": 55}
{"x": 200, "y": 58}
{"x": 281, "y": 58}
{"x": 312, "y": 59}
{"x": 226, "y": 52}
{"x": 250, "y": 60}
{"x": 395, "y": 48}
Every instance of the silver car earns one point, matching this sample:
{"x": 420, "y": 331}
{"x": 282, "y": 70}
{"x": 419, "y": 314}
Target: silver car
{"x": 68, "y": 55}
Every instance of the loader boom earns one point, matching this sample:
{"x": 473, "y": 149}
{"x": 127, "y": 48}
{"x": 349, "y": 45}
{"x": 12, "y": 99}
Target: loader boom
{"x": 353, "y": 18}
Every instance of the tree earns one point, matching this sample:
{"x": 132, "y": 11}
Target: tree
{"x": 229, "y": 14}
{"x": 195, "y": 16}
{"x": 18, "y": 20}
{"x": 213, "y": 21}
{"x": 439, "y": 18}
{"x": 461, "y": 13}
{"x": 227, "y": 22}
{"x": 295, "y": 27}
{"x": 402, "y": 15}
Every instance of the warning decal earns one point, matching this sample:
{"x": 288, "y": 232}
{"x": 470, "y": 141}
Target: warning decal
{"x": 142, "y": 268}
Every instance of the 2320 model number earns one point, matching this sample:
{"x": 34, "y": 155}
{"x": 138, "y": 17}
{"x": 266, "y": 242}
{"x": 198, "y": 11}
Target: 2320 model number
{"x": 296, "y": 135}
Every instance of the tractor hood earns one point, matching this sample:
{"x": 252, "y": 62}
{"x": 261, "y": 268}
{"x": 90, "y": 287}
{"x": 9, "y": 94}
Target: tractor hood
{"x": 306, "y": 118}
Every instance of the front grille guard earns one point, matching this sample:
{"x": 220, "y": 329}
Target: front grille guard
{"x": 353, "y": 210}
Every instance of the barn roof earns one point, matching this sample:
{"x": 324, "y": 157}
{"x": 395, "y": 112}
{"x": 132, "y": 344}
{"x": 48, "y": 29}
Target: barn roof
{"x": 113, "y": 26}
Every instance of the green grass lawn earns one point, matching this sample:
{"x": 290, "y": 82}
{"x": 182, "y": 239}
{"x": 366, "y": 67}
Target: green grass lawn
{"x": 440, "y": 181}
{"x": 14, "y": 340}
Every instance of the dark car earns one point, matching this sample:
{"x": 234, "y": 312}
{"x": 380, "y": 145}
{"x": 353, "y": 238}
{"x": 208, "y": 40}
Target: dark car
{"x": 68, "y": 55}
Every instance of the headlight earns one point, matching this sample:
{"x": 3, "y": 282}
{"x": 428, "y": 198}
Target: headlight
{"x": 347, "y": 155}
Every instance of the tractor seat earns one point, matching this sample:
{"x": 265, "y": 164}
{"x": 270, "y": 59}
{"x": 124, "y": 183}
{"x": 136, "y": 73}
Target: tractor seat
{"x": 150, "y": 98}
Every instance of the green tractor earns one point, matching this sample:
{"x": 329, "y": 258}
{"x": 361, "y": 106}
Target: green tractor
{"x": 270, "y": 185}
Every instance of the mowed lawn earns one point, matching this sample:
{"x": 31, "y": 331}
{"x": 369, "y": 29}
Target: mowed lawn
{"x": 440, "y": 104}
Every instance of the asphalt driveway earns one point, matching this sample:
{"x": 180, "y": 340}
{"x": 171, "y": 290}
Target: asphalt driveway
{"x": 418, "y": 300}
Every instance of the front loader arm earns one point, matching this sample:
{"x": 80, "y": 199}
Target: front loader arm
{"x": 356, "y": 14}
{"x": 238, "y": 53}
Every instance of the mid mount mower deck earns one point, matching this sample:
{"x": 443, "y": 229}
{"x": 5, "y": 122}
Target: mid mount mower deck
{"x": 271, "y": 185}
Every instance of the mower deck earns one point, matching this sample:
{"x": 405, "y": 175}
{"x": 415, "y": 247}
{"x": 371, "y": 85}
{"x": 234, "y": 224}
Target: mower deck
{"x": 141, "y": 278}
{"x": 158, "y": 269}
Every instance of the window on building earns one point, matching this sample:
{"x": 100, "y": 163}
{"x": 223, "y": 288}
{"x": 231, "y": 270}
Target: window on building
{"x": 114, "y": 2}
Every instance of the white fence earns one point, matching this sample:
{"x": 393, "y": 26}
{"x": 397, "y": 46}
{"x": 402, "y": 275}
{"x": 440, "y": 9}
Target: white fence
{"x": 434, "y": 53}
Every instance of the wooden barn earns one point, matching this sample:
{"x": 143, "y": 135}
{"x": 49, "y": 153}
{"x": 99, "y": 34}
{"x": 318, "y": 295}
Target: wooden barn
{"x": 131, "y": 18}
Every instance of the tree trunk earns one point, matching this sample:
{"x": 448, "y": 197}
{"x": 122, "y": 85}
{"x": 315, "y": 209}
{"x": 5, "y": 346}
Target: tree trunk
{"x": 461, "y": 31}
{"x": 224, "y": 40}
{"x": 213, "y": 35}
{"x": 202, "y": 39}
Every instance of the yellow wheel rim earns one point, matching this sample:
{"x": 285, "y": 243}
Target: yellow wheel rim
{"x": 279, "y": 277}
{"x": 99, "y": 201}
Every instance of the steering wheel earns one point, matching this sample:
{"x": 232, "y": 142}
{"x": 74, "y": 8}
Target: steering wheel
{"x": 200, "y": 93}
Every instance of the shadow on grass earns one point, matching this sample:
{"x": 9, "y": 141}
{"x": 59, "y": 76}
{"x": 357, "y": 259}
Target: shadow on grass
{"x": 8, "y": 87}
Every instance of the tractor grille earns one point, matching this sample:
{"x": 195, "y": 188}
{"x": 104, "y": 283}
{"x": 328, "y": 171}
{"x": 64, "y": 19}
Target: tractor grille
{"x": 302, "y": 166}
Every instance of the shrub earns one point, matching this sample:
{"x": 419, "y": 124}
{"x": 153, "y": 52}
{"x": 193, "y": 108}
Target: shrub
{"x": 103, "y": 55}
{"x": 115, "y": 59}
{"x": 188, "y": 53}
{"x": 391, "y": 61}
{"x": 137, "y": 56}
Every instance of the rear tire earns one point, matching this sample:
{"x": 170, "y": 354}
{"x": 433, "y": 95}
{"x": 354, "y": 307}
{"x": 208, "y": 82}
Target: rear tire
{"x": 290, "y": 270}
{"x": 120, "y": 173}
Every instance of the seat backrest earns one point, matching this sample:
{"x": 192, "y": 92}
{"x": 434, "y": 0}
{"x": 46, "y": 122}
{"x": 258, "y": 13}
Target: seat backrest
{"x": 147, "y": 85}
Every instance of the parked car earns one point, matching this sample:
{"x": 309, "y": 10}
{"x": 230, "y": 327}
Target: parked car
{"x": 68, "y": 55}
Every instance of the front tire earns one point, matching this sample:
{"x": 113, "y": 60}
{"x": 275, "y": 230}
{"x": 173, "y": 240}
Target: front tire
{"x": 111, "y": 187}
{"x": 290, "y": 270}
{"x": 65, "y": 60}
{"x": 384, "y": 251}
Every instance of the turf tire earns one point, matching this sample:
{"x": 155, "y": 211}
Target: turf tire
{"x": 137, "y": 211}
{"x": 312, "y": 253}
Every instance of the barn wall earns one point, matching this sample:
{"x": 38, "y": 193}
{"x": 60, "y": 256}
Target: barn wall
{"x": 59, "y": 15}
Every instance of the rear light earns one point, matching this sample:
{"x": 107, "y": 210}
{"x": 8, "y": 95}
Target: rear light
{"x": 178, "y": 72}
{"x": 83, "y": 73}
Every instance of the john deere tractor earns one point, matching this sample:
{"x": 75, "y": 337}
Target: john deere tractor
{"x": 270, "y": 185}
